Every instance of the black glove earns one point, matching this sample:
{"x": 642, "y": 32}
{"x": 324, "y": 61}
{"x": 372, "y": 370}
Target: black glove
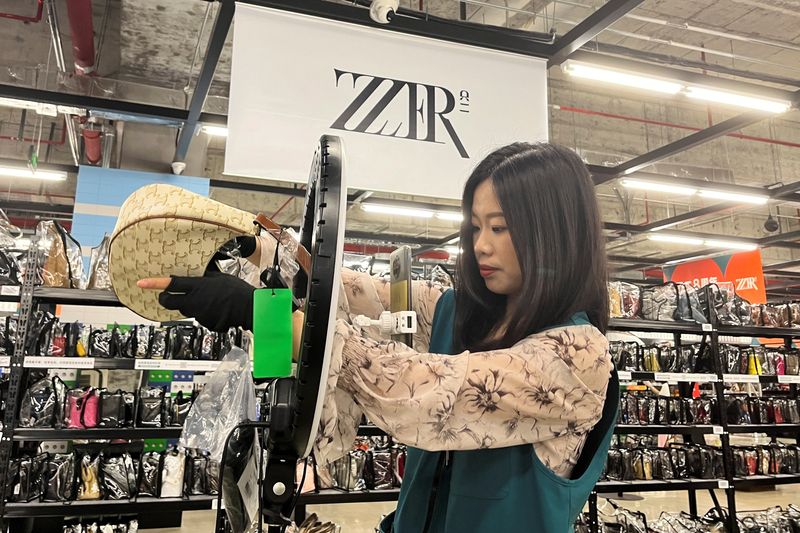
{"x": 217, "y": 301}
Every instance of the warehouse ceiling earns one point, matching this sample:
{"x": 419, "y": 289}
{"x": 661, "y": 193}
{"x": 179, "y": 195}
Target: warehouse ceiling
{"x": 151, "y": 52}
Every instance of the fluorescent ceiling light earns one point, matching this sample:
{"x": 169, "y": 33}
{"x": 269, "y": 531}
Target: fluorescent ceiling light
{"x": 710, "y": 243}
{"x": 731, "y": 245}
{"x": 678, "y": 239}
{"x": 396, "y": 210}
{"x": 657, "y": 186}
{"x": 621, "y": 78}
{"x": 449, "y": 215}
{"x": 660, "y": 85}
{"x": 217, "y": 131}
{"x": 735, "y": 197}
{"x": 738, "y": 100}
{"x": 27, "y": 173}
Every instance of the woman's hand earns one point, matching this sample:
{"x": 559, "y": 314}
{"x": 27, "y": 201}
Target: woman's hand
{"x": 217, "y": 301}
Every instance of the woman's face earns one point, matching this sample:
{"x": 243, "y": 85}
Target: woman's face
{"x": 494, "y": 251}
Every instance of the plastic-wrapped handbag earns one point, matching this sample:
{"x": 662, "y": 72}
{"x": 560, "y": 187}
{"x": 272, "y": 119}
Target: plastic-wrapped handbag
{"x": 98, "y": 266}
{"x": 43, "y": 404}
{"x": 25, "y": 478}
{"x": 63, "y": 263}
{"x": 660, "y": 302}
{"x": 82, "y": 408}
{"x": 152, "y": 408}
{"x": 149, "y": 474}
{"x": 89, "y": 483}
{"x": 119, "y": 477}
{"x": 179, "y": 409}
{"x": 115, "y": 409}
{"x": 58, "y": 478}
{"x": 717, "y": 305}
{"x": 792, "y": 362}
{"x": 197, "y": 482}
{"x": 172, "y": 474}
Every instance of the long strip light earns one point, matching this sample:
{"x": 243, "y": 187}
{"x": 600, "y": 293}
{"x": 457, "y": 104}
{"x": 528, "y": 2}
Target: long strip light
{"x": 216, "y": 131}
{"x": 668, "y": 86}
{"x": 698, "y": 241}
{"x": 411, "y": 211}
{"x": 600, "y": 74}
{"x": 27, "y": 173}
{"x": 449, "y": 215}
{"x": 659, "y": 186}
{"x": 734, "y": 197}
{"x": 396, "y": 210}
{"x": 738, "y": 100}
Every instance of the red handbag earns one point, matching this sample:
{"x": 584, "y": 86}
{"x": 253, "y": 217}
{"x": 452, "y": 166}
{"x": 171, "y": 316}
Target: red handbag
{"x": 82, "y": 409}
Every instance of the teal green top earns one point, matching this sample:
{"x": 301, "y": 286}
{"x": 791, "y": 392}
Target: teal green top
{"x": 505, "y": 490}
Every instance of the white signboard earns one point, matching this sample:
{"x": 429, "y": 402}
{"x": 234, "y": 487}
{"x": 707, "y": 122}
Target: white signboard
{"x": 416, "y": 114}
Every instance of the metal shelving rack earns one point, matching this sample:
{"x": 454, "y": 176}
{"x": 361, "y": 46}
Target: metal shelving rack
{"x": 30, "y": 297}
{"x": 729, "y": 483}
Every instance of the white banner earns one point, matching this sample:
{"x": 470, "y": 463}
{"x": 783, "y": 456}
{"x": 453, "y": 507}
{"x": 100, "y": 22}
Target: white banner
{"x": 416, "y": 114}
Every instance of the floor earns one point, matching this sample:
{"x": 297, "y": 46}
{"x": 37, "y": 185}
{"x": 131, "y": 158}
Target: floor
{"x": 363, "y": 517}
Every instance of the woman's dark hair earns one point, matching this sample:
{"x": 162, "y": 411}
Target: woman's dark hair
{"x": 551, "y": 211}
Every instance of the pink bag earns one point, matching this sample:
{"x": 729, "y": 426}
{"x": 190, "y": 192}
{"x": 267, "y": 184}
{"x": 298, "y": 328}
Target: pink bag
{"x": 82, "y": 409}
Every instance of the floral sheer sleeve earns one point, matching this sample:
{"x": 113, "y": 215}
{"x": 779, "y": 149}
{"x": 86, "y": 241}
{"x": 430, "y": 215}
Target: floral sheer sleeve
{"x": 547, "y": 390}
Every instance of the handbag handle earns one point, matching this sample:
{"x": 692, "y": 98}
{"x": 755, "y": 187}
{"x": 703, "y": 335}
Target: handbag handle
{"x": 302, "y": 256}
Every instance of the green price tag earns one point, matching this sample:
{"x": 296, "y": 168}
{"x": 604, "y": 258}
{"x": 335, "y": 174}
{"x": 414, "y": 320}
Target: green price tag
{"x": 272, "y": 333}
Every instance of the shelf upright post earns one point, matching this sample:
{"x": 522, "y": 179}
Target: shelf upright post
{"x": 719, "y": 388}
{"x": 787, "y": 343}
{"x": 16, "y": 381}
{"x": 594, "y": 522}
{"x": 685, "y": 390}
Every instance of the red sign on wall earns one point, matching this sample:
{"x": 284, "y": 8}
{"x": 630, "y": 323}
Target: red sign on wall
{"x": 743, "y": 269}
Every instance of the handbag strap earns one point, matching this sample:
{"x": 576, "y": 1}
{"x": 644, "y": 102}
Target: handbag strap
{"x": 302, "y": 256}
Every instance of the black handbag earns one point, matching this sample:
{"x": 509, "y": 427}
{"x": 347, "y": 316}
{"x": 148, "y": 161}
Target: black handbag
{"x": 25, "y": 478}
{"x": 150, "y": 474}
{"x": 58, "y": 478}
{"x": 179, "y": 409}
{"x": 119, "y": 477}
{"x": 116, "y": 409}
{"x": 43, "y": 404}
{"x": 151, "y": 408}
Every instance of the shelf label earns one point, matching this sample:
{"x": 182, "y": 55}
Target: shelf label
{"x": 175, "y": 364}
{"x": 5, "y": 360}
{"x": 624, "y": 375}
{"x": 788, "y": 379}
{"x": 59, "y": 362}
{"x": 9, "y": 290}
{"x": 685, "y": 377}
{"x": 717, "y": 430}
{"x": 723, "y": 484}
{"x": 708, "y": 327}
{"x": 741, "y": 378}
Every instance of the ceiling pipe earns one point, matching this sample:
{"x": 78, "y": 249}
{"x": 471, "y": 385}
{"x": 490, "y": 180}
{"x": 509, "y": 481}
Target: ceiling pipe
{"x": 79, "y": 13}
{"x": 58, "y": 142}
{"x": 92, "y": 144}
{"x": 55, "y": 37}
{"x": 22, "y": 18}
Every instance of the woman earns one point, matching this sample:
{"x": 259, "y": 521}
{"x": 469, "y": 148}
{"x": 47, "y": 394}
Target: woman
{"x": 510, "y": 433}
